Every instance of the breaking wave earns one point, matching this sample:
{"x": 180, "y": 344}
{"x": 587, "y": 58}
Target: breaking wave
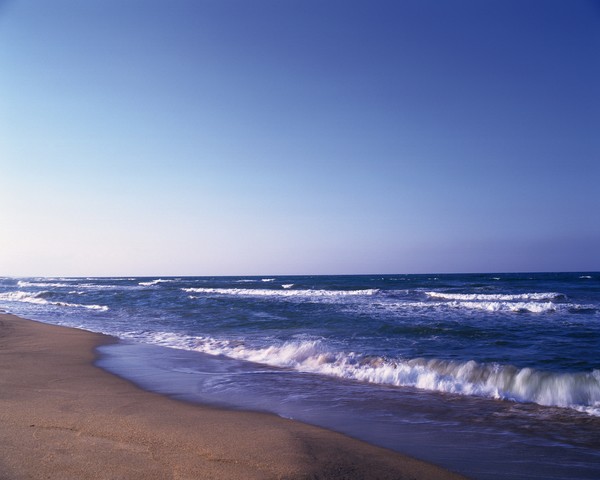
{"x": 579, "y": 391}
{"x": 154, "y": 282}
{"x": 535, "y": 302}
{"x": 531, "y": 307}
{"x": 26, "y": 297}
{"x": 252, "y": 292}
{"x": 22, "y": 284}
{"x": 497, "y": 297}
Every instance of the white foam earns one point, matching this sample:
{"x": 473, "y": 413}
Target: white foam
{"x": 154, "y": 282}
{"x": 102, "y": 308}
{"x": 267, "y": 280}
{"x": 532, "y": 307}
{"x": 22, "y": 284}
{"x": 499, "y": 307}
{"x": 23, "y": 297}
{"x": 287, "y": 285}
{"x": 496, "y": 297}
{"x": 579, "y": 391}
{"x": 256, "y": 292}
{"x": 94, "y": 286}
{"x": 26, "y": 297}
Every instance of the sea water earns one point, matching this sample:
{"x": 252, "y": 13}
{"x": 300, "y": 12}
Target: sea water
{"x": 490, "y": 375}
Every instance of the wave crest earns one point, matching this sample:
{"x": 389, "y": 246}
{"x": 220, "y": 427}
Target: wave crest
{"x": 38, "y": 298}
{"x": 498, "y": 297}
{"x": 23, "y": 283}
{"x": 154, "y": 282}
{"x": 262, "y": 292}
{"x": 579, "y": 391}
{"x": 531, "y": 307}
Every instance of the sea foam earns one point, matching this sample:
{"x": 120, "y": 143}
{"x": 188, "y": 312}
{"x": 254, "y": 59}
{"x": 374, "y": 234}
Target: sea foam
{"x": 26, "y": 297}
{"x": 497, "y": 297}
{"x": 25, "y": 284}
{"x": 532, "y": 302}
{"x": 579, "y": 391}
{"x": 263, "y": 292}
{"x": 154, "y": 282}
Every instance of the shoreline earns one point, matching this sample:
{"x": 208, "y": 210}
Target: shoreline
{"x": 63, "y": 417}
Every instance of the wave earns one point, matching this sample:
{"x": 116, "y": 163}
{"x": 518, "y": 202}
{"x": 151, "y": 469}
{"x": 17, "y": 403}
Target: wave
{"x": 89, "y": 286}
{"x": 532, "y": 302}
{"x": 95, "y": 286}
{"x": 26, "y": 297}
{"x": 22, "y": 283}
{"x": 268, "y": 280}
{"x": 256, "y": 292}
{"x": 531, "y": 307}
{"x": 497, "y": 297}
{"x": 579, "y": 391}
{"x": 287, "y": 285}
{"x": 499, "y": 307}
{"x": 154, "y": 282}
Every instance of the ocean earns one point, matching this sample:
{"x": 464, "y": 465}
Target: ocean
{"x": 489, "y": 375}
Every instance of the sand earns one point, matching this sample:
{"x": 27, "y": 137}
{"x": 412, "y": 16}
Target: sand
{"x": 63, "y": 418}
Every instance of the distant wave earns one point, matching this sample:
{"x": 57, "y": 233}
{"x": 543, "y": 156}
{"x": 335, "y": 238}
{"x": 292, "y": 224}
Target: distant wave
{"x": 109, "y": 286}
{"x": 154, "y": 282}
{"x": 534, "y": 302}
{"x": 497, "y": 297}
{"x": 256, "y": 292}
{"x": 579, "y": 391}
{"x": 89, "y": 286}
{"x": 532, "y": 307}
{"x": 26, "y": 297}
{"x": 24, "y": 284}
{"x": 500, "y": 307}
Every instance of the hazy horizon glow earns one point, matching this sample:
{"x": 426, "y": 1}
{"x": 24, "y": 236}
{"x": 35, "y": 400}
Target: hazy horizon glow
{"x": 298, "y": 137}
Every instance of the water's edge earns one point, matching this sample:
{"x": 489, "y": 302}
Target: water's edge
{"x": 428, "y": 426}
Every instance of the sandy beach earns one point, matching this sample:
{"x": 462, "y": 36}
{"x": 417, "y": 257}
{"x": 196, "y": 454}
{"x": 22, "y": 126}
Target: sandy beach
{"x": 63, "y": 418}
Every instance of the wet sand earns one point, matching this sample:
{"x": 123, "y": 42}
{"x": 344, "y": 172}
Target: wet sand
{"x": 63, "y": 418}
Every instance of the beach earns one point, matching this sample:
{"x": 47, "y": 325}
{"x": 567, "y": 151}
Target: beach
{"x": 62, "y": 417}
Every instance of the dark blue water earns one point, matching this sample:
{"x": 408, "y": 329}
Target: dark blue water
{"x": 480, "y": 373}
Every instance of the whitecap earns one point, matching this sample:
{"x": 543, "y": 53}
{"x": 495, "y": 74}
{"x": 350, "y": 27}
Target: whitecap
{"x": 495, "y": 297}
{"x": 256, "y": 292}
{"x": 24, "y": 284}
{"x": 26, "y": 297}
{"x": 153, "y": 282}
{"x": 579, "y": 391}
{"x": 533, "y": 307}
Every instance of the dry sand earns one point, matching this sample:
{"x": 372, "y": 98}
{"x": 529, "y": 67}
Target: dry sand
{"x": 63, "y": 418}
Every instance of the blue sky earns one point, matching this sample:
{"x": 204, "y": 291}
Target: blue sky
{"x": 298, "y": 137}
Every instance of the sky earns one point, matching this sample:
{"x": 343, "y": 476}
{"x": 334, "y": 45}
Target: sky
{"x": 236, "y": 137}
